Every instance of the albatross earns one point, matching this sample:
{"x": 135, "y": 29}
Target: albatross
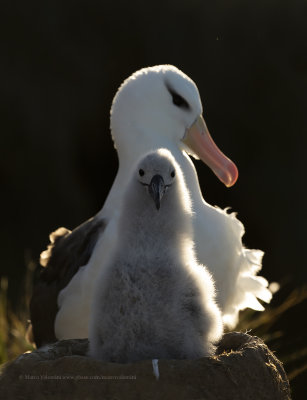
{"x": 156, "y": 107}
{"x": 153, "y": 300}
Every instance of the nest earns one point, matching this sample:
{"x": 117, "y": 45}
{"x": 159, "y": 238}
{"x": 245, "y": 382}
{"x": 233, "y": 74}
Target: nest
{"x": 243, "y": 368}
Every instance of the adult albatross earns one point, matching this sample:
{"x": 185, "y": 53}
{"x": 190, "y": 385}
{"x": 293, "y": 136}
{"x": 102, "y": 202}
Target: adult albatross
{"x": 156, "y": 107}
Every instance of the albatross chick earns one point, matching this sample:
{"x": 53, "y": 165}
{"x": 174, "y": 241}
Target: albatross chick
{"x": 153, "y": 300}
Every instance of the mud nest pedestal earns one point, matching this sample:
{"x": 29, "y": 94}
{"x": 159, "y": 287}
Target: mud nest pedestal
{"x": 243, "y": 368}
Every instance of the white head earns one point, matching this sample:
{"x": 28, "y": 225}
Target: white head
{"x": 160, "y": 107}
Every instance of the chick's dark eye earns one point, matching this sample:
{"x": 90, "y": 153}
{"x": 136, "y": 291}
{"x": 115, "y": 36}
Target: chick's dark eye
{"x": 141, "y": 172}
{"x": 173, "y": 174}
{"x": 179, "y": 101}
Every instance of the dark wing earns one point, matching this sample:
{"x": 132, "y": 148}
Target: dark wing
{"x": 66, "y": 253}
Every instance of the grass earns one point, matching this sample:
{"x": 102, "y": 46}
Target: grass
{"x": 276, "y": 326}
{"x": 13, "y": 324}
{"x": 279, "y": 328}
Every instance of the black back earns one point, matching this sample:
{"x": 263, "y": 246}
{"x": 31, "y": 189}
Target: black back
{"x": 66, "y": 253}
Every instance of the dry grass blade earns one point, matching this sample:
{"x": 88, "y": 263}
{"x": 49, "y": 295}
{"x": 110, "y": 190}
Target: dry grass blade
{"x": 13, "y": 324}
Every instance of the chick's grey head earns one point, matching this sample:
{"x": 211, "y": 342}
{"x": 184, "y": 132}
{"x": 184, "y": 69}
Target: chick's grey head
{"x": 161, "y": 179}
{"x": 156, "y": 205}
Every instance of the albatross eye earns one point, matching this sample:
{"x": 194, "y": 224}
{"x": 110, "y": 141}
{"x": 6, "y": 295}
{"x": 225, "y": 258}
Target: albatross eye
{"x": 141, "y": 172}
{"x": 173, "y": 174}
{"x": 179, "y": 101}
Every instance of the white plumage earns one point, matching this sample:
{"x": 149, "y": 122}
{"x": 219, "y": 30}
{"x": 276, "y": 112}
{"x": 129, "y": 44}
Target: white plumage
{"x": 152, "y": 299}
{"x": 160, "y": 107}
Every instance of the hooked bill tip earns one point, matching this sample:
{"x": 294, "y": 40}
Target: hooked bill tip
{"x": 231, "y": 175}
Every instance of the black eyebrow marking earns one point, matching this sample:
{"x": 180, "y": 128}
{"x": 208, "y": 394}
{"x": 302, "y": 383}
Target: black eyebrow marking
{"x": 178, "y": 100}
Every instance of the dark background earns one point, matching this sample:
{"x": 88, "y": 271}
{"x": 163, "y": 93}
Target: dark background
{"x": 61, "y": 64}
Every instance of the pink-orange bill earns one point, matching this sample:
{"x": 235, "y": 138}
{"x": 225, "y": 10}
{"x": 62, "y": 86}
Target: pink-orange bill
{"x": 199, "y": 140}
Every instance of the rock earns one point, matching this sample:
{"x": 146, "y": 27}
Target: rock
{"x": 244, "y": 368}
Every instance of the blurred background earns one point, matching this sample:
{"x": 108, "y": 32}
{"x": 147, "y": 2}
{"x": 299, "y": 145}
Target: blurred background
{"x": 61, "y": 64}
